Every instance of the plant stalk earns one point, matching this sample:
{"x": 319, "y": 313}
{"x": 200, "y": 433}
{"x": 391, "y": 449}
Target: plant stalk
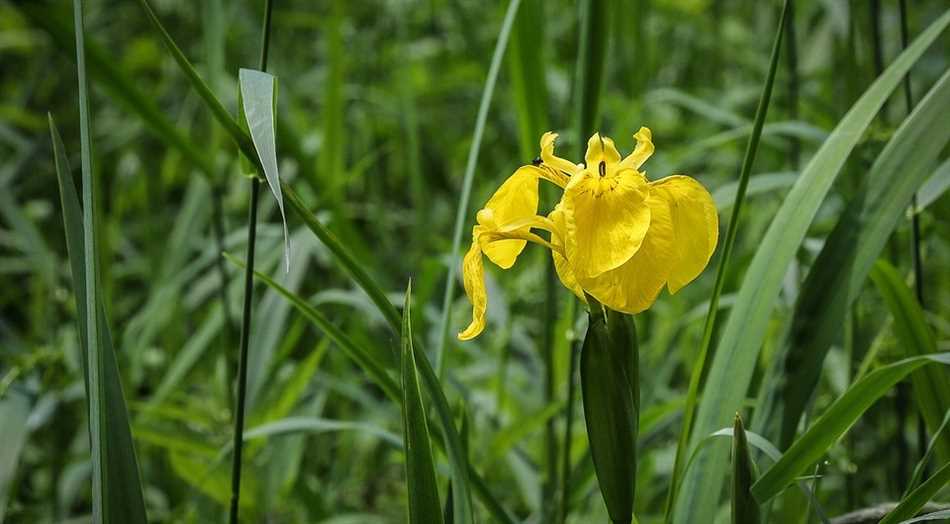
{"x": 248, "y": 301}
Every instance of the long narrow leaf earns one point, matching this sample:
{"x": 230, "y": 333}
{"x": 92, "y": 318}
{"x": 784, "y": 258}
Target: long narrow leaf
{"x": 738, "y": 349}
{"x": 424, "y": 503}
{"x": 121, "y": 499}
{"x": 838, "y": 274}
{"x": 916, "y": 499}
{"x": 835, "y": 421}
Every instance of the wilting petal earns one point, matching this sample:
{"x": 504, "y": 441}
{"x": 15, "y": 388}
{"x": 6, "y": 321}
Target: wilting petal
{"x": 473, "y": 278}
{"x": 561, "y": 265}
{"x": 642, "y": 152}
{"x": 600, "y": 149}
{"x": 605, "y": 220}
{"x": 550, "y": 160}
{"x": 634, "y": 286}
{"x": 695, "y": 226}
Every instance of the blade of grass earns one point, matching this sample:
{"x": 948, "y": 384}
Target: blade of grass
{"x": 835, "y": 421}
{"x": 14, "y": 410}
{"x": 941, "y": 433}
{"x": 424, "y": 503}
{"x": 121, "y": 500}
{"x": 931, "y": 387}
{"x": 462, "y": 210}
{"x": 745, "y": 509}
{"x": 915, "y": 500}
{"x": 737, "y": 352}
{"x": 731, "y": 232}
{"x": 838, "y": 274}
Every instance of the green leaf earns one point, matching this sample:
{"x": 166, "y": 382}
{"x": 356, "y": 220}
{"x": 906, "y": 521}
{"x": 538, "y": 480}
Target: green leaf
{"x": 737, "y": 352}
{"x": 931, "y": 385}
{"x": 938, "y": 435}
{"x": 527, "y": 71}
{"x": 835, "y": 421}
{"x": 611, "y": 409}
{"x": 699, "y": 367}
{"x": 841, "y": 269}
{"x": 424, "y": 502}
{"x": 745, "y": 509}
{"x": 292, "y": 425}
{"x": 593, "y": 36}
{"x": 119, "y": 494}
{"x": 937, "y": 515}
{"x": 259, "y": 108}
{"x": 915, "y": 500}
{"x": 14, "y": 411}
{"x": 935, "y": 186}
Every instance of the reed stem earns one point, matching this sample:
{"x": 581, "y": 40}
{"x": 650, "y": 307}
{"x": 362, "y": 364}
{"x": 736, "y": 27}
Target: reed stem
{"x": 248, "y": 300}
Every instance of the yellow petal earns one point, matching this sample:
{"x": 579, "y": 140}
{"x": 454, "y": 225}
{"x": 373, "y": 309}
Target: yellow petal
{"x": 605, "y": 220}
{"x": 473, "y": 278}
{"x": 550, "y": 160}
{"x": 634, "y": 286}
{"x": 642, "y": 152}
{"x": 561, "y": 265}
{"x": 600, "y": 149}
{"x": 695, "y": 225}
{"x": 515, "y": 200}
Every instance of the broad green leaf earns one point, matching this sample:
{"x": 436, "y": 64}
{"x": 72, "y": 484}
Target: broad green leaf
{"x": 835, "y": 421}
{"x": 14, "y": 410}
{"x": 259, "y": 108}
{"x": 610, "y": 408}
{"x": 120, "y": 500}
{"x": 424, "y": 503}
{"x": 745, "y": 509}
{"x": 915, "y": 500}
{"x": 932, "y": 384}
{"x": 738, "y": 349}
{"x": 841, "y": 269}
{"x": 712, "y": 311}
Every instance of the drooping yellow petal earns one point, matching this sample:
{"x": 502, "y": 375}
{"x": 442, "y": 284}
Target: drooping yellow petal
{"x": 556, "y": 163}
{"x": 601, "y": 149}
{"x": 561, "y": 265}
{"x": 695, "y": 226}
{"x": 473, "y": 278}
{"x": 605, "y": 219}
{"x": 642, "y": 152}
{"x": 634, "y": 286}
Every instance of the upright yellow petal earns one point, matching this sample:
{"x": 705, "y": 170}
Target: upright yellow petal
{"x": 473, "y": 278}
{"x": 600, "y": 149}
{"x": 561, "y": 265}
{"x": 606, "y": 219}
{"x": 642, "y": 152}
{"x": 695, "y": 226}
{"x": 516, "y": 199}
{"x": 634, "y": 286}
{"x": 554, "y": 162}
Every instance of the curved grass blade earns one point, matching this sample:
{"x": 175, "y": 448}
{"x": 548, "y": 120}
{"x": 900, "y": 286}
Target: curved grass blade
{"x": 259, "y": 109}
{"x": 835, "y": 421}
{"x": 424, "y": 502}
{"x": 738, "y": 349}
{"x": 941, "y": 433}
{"x": 745, "y": 509}
{"x": 934, "y": 187}
{"x": 937, "y": 515}
{"x": 293, "y": 425}
{"x": 118, "y": 498}
{"x": 841, "y": 269}
{"x": 915, "y": 500}
{"x": 14, "y": 411}
{"x": 699, "y": 366}
{"x": 462, "y": 210}
{"x": 931, "y": 385}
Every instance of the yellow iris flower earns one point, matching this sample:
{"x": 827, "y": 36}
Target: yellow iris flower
{"x": 614, "y": 235}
